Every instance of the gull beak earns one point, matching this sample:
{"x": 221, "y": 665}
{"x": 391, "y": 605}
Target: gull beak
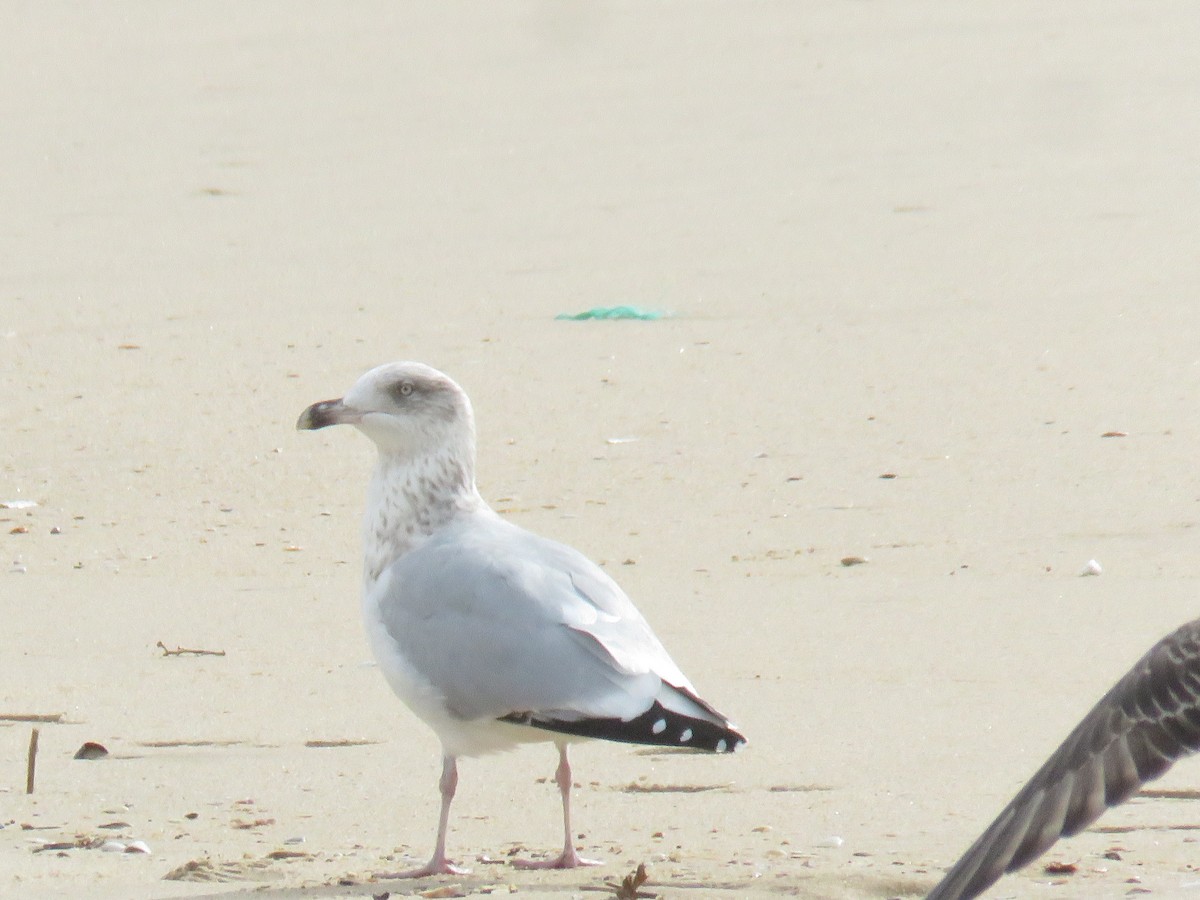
{"x": 325, "y": 413}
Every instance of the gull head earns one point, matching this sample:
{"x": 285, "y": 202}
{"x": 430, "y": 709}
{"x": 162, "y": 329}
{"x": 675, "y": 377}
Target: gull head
{"x": 406, "y": 408}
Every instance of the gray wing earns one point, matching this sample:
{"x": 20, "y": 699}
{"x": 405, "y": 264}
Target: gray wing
{"x": 1149, "y": 719}
{"x": 500, "y": 621}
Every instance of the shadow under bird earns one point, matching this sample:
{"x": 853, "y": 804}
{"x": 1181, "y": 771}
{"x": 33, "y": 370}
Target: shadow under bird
{"x": 1147, "y": 721}
{"x": 493, "y": 635}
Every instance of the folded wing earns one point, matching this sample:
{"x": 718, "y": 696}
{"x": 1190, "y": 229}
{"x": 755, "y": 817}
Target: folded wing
{"x": 508, "y": 625}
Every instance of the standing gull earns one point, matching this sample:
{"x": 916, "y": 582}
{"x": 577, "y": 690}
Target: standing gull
{"x": 491, "y": 634}
{"x": 1147, "y": 721}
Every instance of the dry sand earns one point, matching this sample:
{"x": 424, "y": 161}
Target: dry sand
{"x": 956, "y": 243}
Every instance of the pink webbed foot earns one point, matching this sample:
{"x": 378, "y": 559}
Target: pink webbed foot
{"x": 436, "y": 866}
{"x": 568, "y": 859}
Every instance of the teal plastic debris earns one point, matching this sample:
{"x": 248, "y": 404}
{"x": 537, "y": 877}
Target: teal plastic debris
{"x": 614, "y": 312}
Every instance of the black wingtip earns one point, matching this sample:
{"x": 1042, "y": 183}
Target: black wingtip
{"x": 657, "y": 726}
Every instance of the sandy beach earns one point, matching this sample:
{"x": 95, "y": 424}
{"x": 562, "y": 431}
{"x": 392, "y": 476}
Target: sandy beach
{"x": 915, "y": 261}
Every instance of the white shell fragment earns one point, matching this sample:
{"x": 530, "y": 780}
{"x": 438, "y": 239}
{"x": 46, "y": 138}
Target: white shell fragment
{"x": 137, "y": 847}
{"x": 1092, "y": 568}
{"x": 114, "y": 847}
{"x": 17, "y": 504}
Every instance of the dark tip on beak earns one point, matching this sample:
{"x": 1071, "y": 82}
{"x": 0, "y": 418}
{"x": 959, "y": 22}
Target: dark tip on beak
{"x": 321, "y": 415}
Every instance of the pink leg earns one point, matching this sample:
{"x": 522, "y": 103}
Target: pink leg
{"x": 568, "y": 859}
{"x": 438, "y": 864}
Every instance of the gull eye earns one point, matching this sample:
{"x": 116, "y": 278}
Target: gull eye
{"x": 405, "y": 389}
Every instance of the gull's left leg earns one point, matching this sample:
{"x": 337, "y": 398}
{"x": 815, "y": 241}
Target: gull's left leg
{"x": 568, "y": 859}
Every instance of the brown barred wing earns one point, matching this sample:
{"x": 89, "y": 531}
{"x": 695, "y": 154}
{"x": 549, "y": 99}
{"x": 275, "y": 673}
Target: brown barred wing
{"x": 1149, "y": 719}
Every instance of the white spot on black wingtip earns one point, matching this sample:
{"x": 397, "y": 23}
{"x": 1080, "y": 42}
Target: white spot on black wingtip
{"x": 659, "y": 727}
{"x": 686, "y": 736}
{"x": 721, "y": 745}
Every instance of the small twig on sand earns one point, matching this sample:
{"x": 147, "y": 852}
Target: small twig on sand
{"x": 184, "y": 651}
{"x": 31, "y": 717}
{"x": 31, "y": 764}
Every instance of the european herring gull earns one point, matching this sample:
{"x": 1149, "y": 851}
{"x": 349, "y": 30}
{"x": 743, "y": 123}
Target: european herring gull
{"x": 1147, "y": 721}
{"x": 491, "y": 634}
